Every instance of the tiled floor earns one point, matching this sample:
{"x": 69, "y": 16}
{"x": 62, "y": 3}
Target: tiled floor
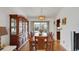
{"x": 56, "y": 47}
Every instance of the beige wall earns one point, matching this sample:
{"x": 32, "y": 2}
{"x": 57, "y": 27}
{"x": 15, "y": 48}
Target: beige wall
{"x": 72, "y": 24}
{"x": 4, "y": 21}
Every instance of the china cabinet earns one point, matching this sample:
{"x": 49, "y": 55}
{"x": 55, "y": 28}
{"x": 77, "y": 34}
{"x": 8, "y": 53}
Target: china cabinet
{"x": 18, "y": 30}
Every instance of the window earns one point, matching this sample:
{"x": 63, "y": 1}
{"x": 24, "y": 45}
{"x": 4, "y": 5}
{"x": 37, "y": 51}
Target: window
{"x": 41, "y": 27}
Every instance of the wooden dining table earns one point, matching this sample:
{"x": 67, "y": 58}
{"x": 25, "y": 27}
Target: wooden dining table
{"x": 41, "y": 42}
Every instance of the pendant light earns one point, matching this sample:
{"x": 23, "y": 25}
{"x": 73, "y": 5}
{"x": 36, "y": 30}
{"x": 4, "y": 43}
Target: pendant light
{"x": 41, "y": 17}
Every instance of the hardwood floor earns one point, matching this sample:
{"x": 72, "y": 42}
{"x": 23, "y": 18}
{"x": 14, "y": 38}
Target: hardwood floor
{"x": 56, "y": 47}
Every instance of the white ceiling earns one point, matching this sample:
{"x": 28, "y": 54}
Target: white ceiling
{"x": 36, "y": 11}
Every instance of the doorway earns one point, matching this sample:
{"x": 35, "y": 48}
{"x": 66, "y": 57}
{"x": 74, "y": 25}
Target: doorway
{"x": 58, "y": 29}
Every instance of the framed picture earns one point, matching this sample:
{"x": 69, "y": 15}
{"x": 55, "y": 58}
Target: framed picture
{"x": 64, "y": 20}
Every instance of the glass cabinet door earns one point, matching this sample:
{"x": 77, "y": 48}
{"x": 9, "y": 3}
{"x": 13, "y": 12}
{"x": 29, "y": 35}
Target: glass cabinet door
{"x": 24, "y": 27}
{"x": 13, "y": 26}
{"x": 20, "y": 27}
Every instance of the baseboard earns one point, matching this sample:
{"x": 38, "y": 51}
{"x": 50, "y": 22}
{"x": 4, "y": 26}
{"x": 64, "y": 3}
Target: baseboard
{"x": 64, "y": 49}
